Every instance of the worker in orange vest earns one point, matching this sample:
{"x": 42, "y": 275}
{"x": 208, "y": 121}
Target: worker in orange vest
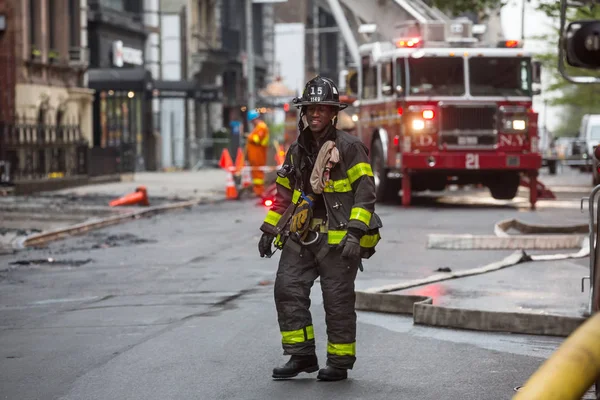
{"x": 256, "y": 149}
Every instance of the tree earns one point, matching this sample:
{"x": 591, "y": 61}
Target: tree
{"x": 457, "y": 7}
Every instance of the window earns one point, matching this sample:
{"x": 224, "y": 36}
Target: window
{"x": 387, "y": 78}
{"x": 34, "y": 23}
{"x": 426, "y": 79}
{"x": 52, "y": 42}
{"x": 500, "y": 76}
{"x": 400, "y": 76}
{"x": 74, "y": 23}
{"x": 369, "y": 79}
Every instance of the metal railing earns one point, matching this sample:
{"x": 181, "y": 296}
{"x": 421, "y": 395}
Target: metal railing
{"x": 38, "y": 150}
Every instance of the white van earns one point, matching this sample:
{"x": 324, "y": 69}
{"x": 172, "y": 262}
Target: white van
{"x": 590, "y": 131}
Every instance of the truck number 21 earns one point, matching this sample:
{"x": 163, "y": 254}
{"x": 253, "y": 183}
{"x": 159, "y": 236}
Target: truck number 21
{"x": 472, "y": 161}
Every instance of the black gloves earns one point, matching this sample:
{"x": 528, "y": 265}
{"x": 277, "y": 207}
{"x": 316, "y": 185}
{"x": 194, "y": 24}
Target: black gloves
{"x": 350, "y": 245}
{"x": 264, "y": 245}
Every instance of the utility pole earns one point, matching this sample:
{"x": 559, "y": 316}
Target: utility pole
{"x": 523, "y": 19}
{"x": 250, "y": 56}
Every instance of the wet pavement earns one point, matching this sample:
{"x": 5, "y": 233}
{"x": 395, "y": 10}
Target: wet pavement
{"x": 180, "y": 306}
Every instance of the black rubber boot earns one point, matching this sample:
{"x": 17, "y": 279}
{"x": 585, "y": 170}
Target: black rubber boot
{"x": 332, "y": 374}
{"x": 295, "y": 365}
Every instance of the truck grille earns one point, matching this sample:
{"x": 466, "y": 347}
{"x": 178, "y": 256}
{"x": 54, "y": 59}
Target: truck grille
{"x": 468, "y": 127}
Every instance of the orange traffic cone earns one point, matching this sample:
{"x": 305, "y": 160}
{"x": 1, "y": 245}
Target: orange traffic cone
{"x": 239, "y": 160}
{"x": 225, "y": 162}
{"x": 230, "y": 190}
{"x": 140, "y": 196}
{"x": 246, "y": 178}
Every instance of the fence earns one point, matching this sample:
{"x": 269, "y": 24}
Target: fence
{"x": 31, "y": 150}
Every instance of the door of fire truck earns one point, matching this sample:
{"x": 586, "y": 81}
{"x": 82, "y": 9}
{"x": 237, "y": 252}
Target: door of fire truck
{"x": 382, "y": 87}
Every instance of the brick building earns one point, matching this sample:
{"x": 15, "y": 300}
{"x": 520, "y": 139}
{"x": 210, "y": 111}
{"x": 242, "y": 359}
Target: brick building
{"x": 43, "y": 58}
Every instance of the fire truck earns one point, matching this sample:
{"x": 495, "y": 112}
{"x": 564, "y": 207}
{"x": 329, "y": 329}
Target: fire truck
{"x": 437, "y": 112}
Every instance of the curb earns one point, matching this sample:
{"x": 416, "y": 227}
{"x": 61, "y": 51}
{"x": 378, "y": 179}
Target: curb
{"x": 424, "y": 312}
{"x": 78, "y": 229}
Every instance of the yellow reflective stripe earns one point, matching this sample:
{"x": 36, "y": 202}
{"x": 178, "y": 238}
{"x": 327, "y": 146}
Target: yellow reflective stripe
{"x": 272, "y": 218}
{"x": 335, "y": 237}
{"x": 258, "y": 181}
{"x": 359, "y": 170}
{"x": 361, "y": 214}
{"x": 341, "y": 349}
{"x": 298, "y": 336}
{"x": 367, "y": 241}
{"x": 296, "y": 196}
{"x": 341, "y": 186}
{"x": 285, "y": 182}
{"x": 265, "y": 141}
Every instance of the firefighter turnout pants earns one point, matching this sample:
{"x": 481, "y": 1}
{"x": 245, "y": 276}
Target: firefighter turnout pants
{"x": 299, "y": 266}
{"x": 257, "y": 157}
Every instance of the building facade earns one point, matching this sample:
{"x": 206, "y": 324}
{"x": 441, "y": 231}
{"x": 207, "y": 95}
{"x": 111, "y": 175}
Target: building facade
{"x": 216, "y": 57}
{"x": 45, "y": 108}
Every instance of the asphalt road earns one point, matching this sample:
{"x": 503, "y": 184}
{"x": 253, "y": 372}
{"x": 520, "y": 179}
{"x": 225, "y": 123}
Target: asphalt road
{"x": 180, "y": 306}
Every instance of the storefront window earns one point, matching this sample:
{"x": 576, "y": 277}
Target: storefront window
{"x": 120, "y": 118}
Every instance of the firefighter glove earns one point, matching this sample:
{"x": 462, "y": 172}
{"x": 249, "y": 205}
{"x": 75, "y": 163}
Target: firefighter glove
{"x": 264, "y": 245}
{"x": 302, "y": 216}
{"x": 350, "y": 245}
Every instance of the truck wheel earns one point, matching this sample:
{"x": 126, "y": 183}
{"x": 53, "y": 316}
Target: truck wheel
{"x": 552, "y": 167}
{"x": 505, "y": 186}
{"x": 387, "y": 189}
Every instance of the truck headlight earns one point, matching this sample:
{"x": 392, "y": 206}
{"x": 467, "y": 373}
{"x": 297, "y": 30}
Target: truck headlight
{"x": 418, "y": 125}
{"x": 519, "y": 124}
{"x": 515, "y": 125}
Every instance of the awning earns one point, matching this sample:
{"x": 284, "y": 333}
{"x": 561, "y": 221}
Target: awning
{"x": 135, "y": 79}
{"x": 140, "y": 80}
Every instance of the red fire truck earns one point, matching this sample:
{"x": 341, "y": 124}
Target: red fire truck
{"x": 439, "y": 115}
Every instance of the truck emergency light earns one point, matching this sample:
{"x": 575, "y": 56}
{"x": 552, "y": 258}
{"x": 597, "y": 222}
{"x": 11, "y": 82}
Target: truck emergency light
{"x": 428, "y": 114}
{"x": 411, "y": 43}
{"x": 512, "y": 44}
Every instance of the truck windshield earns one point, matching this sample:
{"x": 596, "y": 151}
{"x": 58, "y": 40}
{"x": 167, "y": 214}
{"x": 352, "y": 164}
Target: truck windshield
{"x": 595, "y": 132}
{"x": 439, "y": 76}
{"x": 499, "y": 76}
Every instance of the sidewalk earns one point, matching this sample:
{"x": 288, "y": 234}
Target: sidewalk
{"x": 48, "y": 211}
{"x": 164, "y": 186}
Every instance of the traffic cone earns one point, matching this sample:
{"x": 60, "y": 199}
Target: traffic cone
{"x": 239, "y": 160}
{"x": 246, "y": 177}
{"x": 230, "y": 190}
{"x": 140, "y": 196}
{"x": 225, "y": 162}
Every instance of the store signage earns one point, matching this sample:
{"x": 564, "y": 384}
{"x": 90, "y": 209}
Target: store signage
{"x": 129, "y": 55}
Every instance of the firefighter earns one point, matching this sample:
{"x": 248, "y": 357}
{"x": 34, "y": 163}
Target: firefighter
{"x": 324, "y": 222}
{"x": 256, "y": 149}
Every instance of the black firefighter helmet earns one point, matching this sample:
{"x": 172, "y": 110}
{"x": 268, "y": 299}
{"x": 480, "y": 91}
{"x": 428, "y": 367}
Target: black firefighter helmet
{"x": 320, "y": 90}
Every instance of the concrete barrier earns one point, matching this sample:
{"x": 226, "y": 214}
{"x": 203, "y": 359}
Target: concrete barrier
{"x": 424, "y": 312}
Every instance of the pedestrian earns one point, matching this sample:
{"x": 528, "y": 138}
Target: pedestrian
{"x": 323, "y": 219}
{"x": 256, "y": 150}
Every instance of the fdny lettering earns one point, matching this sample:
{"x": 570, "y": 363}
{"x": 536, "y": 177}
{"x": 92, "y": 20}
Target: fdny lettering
{"x": 425, "y": 141}
{"x": 511, "y": 140}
